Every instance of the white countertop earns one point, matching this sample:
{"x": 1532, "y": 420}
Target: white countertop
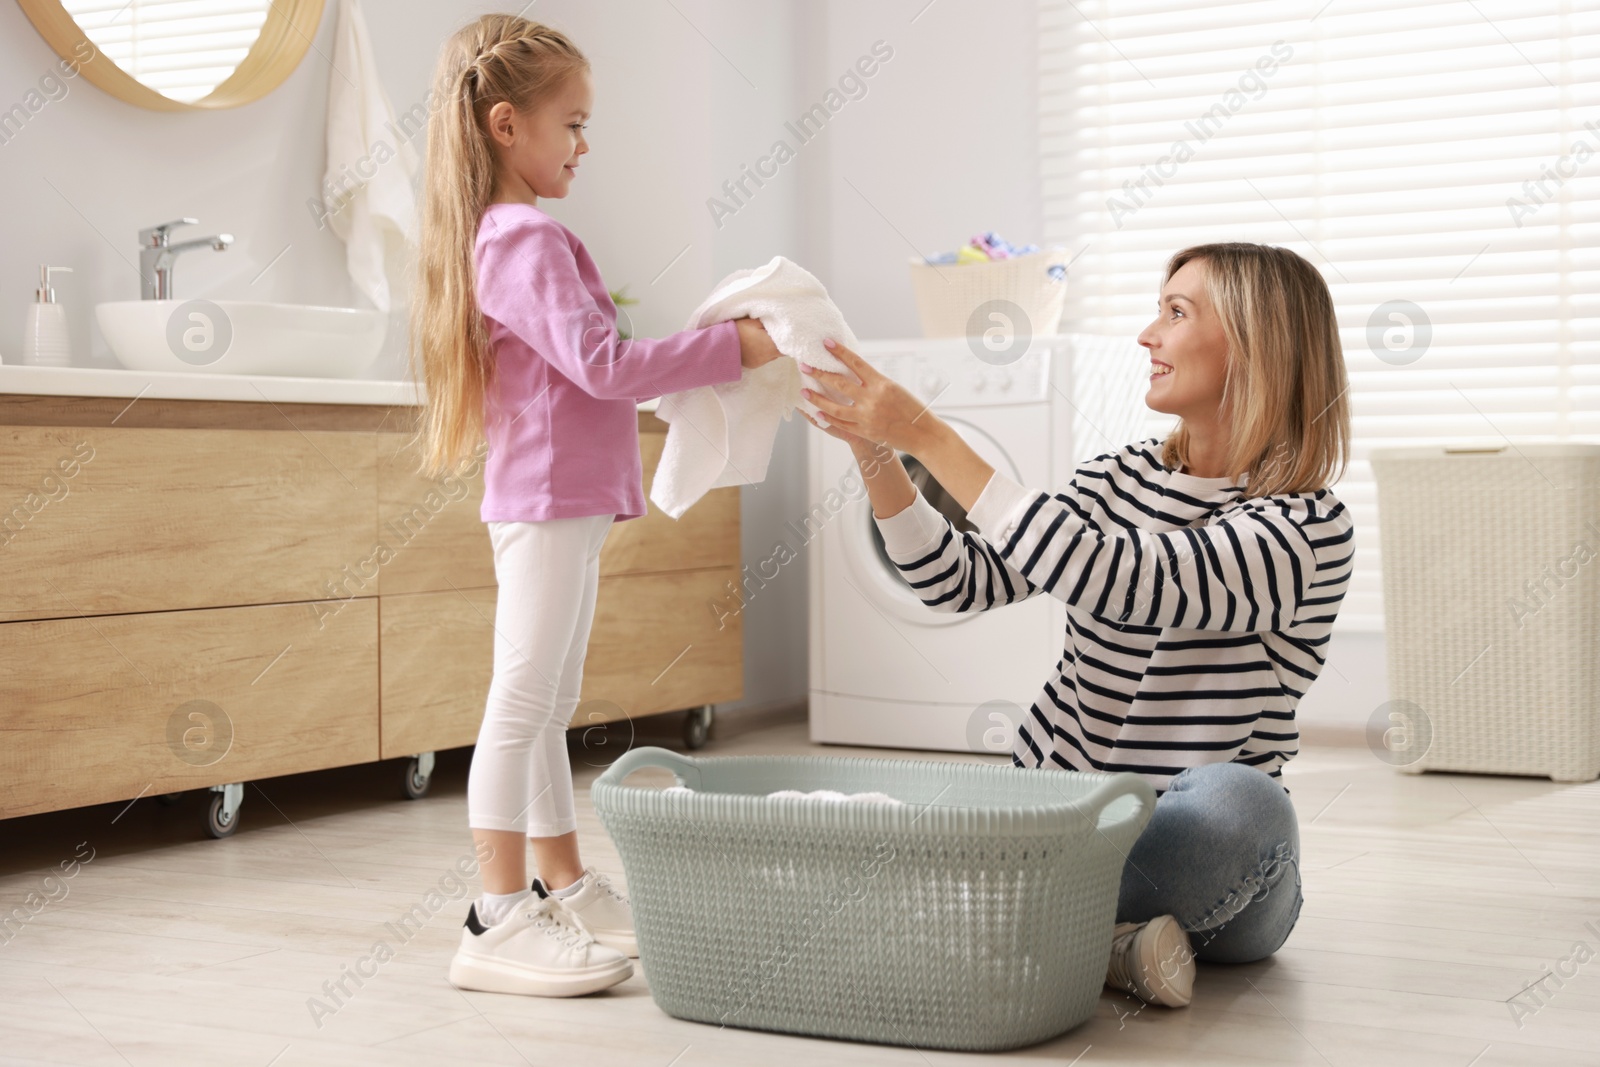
{"x": 107, "y": 381}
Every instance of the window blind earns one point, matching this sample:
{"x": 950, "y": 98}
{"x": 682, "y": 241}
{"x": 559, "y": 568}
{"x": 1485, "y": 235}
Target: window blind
{"x": 183, "y": 49}
{"x": 1439, "y": 162}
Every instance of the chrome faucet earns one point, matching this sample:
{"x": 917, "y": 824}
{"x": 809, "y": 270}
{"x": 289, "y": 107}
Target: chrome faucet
{"x": 157, "y": 255}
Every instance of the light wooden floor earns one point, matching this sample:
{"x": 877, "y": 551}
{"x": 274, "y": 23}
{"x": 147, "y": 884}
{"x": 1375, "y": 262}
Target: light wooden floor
{"x": 1431, "y": 902}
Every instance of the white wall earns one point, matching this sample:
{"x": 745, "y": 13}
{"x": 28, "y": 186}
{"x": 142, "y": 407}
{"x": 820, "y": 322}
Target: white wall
{"x": 943, "y": 146}
{"x": 1353, "y": 685}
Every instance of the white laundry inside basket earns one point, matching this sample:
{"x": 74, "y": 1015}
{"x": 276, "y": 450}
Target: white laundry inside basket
{"x": 830, "y": 795}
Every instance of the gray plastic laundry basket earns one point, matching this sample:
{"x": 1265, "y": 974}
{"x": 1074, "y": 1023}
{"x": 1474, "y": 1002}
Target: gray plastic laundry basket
{"x": 976, "y": 915}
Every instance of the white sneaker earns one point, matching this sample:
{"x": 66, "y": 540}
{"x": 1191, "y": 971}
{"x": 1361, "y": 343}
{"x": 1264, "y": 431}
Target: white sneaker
{"x": 1153, "y": 961}
{"x": 601, "y": 909}
{"x": 537, "y": 951}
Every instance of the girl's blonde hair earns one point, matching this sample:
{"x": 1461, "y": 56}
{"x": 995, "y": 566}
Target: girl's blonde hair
{"x": 498, "y": 57}
{"x": 1284, "y": 393}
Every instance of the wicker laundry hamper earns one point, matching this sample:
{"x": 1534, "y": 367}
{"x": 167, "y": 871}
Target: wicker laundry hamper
{"x": 975, "y": 915}
{"x": 1491, "y": 587}
{"x": 1021, "y": 293}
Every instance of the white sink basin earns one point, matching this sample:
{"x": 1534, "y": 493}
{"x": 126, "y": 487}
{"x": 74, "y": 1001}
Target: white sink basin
{"x": 242, "y": 337}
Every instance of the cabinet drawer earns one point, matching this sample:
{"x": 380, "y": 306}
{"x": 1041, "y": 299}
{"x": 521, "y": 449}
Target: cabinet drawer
{"x": 103, "y": 521}
{"x": 438, "y": 658}
{"x": 656, "y": 643}
{"x": 431, "y": 528}
{"x": 97, "y": 710}
{"x": 706, "y": 536}
{"x": 435, "y": 539}
{"x": 655, "y": 646}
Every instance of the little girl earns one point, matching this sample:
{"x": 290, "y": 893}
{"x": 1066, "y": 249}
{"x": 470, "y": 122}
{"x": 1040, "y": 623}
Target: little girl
{"x": 516, "y": 338}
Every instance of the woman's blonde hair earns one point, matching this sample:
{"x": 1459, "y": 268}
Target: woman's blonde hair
{"x": 498, "y": 57}
{"x": 1284, "y": 390}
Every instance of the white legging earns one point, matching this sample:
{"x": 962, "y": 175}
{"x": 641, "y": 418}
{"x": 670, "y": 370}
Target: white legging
{"x": 548, "y": 573}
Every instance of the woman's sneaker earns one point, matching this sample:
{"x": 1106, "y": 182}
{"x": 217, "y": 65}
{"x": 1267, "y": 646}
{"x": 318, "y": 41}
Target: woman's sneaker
{"x": 1153, "y": 961}
{"x": 537, "y": 951}
{"x": 600, "y": 908}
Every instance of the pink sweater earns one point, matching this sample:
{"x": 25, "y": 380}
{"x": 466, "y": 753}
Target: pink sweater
{"x": 563, "y": 427}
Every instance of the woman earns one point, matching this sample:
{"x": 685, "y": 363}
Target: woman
{"x": 1201, "y": 575}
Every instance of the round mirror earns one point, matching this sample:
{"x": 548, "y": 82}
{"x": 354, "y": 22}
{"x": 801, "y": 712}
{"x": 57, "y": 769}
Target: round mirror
{"x": 176, "y": 55}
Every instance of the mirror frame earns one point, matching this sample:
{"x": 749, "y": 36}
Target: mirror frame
{"x": 285, "y": 37}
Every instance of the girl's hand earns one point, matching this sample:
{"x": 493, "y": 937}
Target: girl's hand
{"x": 755, "y": 347}
{"x": 878, "y": 409}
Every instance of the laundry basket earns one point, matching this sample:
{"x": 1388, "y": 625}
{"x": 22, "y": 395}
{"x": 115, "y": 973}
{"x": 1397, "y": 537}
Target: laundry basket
{"x": 1491, "y": 588}
{"x": 950, "y": 294}
{"x": 975, "y": 915}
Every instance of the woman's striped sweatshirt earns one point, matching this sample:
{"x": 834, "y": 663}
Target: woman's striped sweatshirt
{"x": 1196, "y": 616}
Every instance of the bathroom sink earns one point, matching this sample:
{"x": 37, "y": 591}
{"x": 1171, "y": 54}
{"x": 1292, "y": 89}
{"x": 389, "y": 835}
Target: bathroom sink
{"x": 242, "y": 337}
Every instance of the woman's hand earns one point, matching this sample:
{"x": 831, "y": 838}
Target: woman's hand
{"x": 869, "y": 454}
{"x": 858, "y": 444}
{"x": 878, "y": 409}
{"x": 888, "y": 486}
{"x": 755, "y": 347}
{"x": 882, "y": 418}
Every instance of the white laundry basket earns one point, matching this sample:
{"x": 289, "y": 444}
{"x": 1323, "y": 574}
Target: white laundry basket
{"x": 1491, "y": 586}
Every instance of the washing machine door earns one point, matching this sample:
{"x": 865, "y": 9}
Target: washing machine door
{"x": 869, "y": 565}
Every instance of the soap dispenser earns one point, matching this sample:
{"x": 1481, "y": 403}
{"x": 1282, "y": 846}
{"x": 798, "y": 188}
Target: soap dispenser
{"x": 44, "y": 340}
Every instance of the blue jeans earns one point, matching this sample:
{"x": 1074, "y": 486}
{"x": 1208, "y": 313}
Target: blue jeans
{"x": 1221, "y": 855}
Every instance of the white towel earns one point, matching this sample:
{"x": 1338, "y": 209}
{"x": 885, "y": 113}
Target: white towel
{"x": 836, "y": 797}
{"x": 831, "y": 795}
{"x": 721, "y": 435}
{"x": 367, "y": 191}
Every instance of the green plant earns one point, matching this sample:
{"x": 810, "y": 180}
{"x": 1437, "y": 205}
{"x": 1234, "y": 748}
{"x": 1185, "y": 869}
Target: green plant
{"x": 621, "y": 298}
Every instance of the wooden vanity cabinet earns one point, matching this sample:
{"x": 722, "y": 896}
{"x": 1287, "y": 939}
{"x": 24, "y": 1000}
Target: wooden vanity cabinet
{"x": 198, "y": 593}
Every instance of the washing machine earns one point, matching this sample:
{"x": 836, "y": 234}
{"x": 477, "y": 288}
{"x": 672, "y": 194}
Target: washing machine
{"x": 885, "y": 669}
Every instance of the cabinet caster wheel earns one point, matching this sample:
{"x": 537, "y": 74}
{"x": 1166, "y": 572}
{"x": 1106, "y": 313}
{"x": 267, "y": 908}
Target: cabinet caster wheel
{"x": 219, "y": 823}
{"x": 418, "y": 776}
{"x": 167, "y": 800}
{"x": 697, "y": 727}
{"x": 222, "y": 814}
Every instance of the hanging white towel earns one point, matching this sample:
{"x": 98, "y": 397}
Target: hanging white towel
{"x": 367, "y": 193}
{"x": 720, "y": 435}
